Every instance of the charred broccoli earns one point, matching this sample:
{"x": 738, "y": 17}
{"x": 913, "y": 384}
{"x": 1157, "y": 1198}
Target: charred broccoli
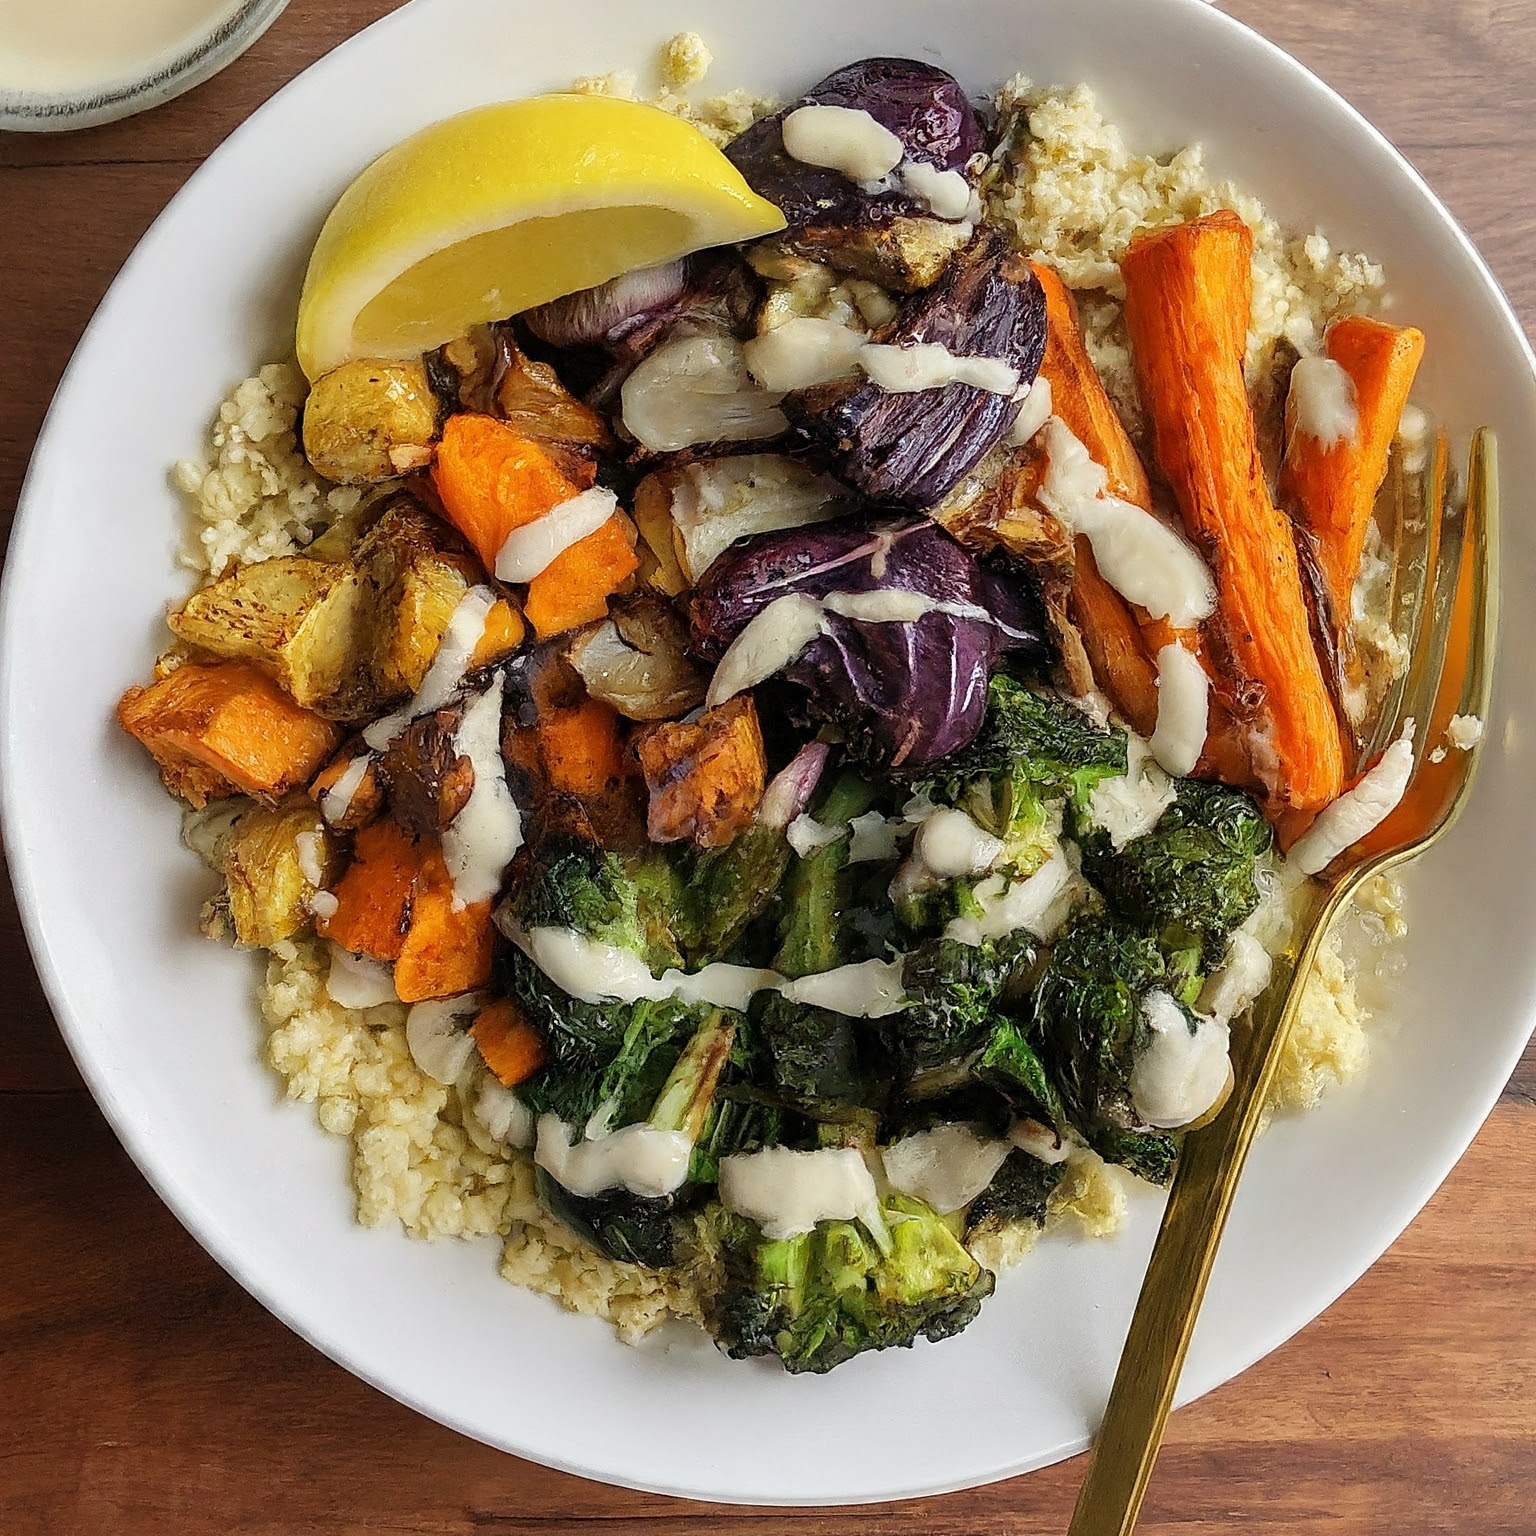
{"x": 1191, "y": 878}
{"x": 952, "y": 988}
{"x": 1018, "y": 1194}
{"x": 819, "y": 1299}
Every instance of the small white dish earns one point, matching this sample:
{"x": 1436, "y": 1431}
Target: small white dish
{"x": 195, "y": 57}
{"x": 163, "y": 1025}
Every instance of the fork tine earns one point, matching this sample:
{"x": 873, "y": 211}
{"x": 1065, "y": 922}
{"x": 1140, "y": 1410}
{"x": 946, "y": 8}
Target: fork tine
{"x": 1418, "y": 504}
{"x": 1455, "y": 674}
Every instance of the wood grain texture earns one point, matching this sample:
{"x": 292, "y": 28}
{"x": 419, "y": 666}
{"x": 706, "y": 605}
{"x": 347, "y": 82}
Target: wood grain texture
{"x": 144, "y": 1392}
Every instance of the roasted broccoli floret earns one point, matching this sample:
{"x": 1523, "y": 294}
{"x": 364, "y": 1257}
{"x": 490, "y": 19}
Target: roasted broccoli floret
{"x": 640, "y": 1229}
{"x": 1086, "y": 1029}
{"x": 818, "y": 1300}
{"x": 953, "y": 989}
{"x": 1035, "y": 738}
{"x": 1191, "y": 878}
{"x": 1018, "y": 1194}
{"x": 821, "y": 1062}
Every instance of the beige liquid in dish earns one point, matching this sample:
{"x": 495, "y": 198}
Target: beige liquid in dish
{"x": 73, "y": 47}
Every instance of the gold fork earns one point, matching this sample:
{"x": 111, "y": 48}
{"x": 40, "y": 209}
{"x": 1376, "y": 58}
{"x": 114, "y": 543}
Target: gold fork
{"x": 1455, "y": 616}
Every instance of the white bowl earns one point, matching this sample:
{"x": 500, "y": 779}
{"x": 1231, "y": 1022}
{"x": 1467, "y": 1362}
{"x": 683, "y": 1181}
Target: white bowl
{"x": 199, "y": 57}
{"x": 162, "y": 1023}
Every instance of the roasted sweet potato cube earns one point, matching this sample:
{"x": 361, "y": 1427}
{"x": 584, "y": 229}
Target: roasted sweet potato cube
{"x": 223, "y": 725}
{"x": 447, "y": 948}
{"x": 705, "y": 777}
{"x": 374, "y": 896}
{"x": 510, "y": 1046}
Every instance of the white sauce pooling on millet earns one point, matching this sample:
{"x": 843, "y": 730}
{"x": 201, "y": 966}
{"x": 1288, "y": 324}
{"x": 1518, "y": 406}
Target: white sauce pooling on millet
{"x": 440, "y": 1046}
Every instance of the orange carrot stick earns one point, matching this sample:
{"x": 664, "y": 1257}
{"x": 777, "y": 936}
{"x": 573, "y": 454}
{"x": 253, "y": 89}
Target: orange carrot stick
{"x": 1188, "y": 295}
{"x": 1330, "y": 489}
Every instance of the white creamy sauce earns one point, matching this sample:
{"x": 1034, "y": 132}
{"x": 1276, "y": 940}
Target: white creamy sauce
{"x": 503, "y": 1115}
{"x": 1322, "y": 402}
{"x": 787, "y": 1192}
{"x": 842, "y": 139}
{"x": 953, "y": 847}
{"x": 1131, "y": 804}
{"x": 717, "y": 501}
{"x": 769, "y": 642}
{"x": 1357, "y": 811}
{"x": 1183, "y": 710}
{"x": 1145, "y": 561}
{"x": 697, "y": 390}
{"x": 946, "y": 1167}
{"x": 638, "y": 1158}
{"x": 805, "y": 835}
{"x": 1038, "y": 905}
{"x": 324, "y": 905}
{"x": 358, "y": 981}
{"x": 1464, "y": 732}
{"x": 481, "y": 840}
{"x": 1034, "y": 412}
{"x": 594, "y": 972}
{"x": 870, "y": 989}
{"x": 1413, "y": 436}
{"x": 885, "y": 605}
{"x": 947, "y": 193}
{"x": 535, "y": 546}
{"x": 465, "y": 630}
{"x": 802, "y": 352}
{"x": 439, "y": 1041}
{"x": 874, "y": 838}
{"x": 1245, "y": 971}
{"x": 309, "y": 848}
{"x": 77, "y": 47}
{"x": 806, "y": 351}
{"x": 336, "y": 801}
{"x": 1180, "y": 1072}
{"x": 927, "y": 365}
{"x": 1039, "y": 1141}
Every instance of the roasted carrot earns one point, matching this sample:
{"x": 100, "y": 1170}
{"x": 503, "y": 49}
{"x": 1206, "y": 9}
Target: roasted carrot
{"x": 447, "y": 949}
{"x": 510, "y": 1046}
{"x": 492, "y": 480}
{"x": 1188, "y": 296}
{"x": 574, "y": 588}
{"x": 580, "y": 749}
{"x": 223, "y": 726}
{"x": 374, "y": 896}
{"x": 1330, "y": 489}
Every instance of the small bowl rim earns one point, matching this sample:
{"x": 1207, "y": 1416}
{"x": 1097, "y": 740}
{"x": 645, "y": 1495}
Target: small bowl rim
{"x": 58, "y": 112}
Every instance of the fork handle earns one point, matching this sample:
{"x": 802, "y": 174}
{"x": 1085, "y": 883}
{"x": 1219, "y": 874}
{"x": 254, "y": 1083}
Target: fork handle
{"x": 1210, "y": 1163}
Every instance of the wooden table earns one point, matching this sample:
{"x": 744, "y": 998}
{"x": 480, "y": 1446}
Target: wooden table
{"x": 141, "y": 1391}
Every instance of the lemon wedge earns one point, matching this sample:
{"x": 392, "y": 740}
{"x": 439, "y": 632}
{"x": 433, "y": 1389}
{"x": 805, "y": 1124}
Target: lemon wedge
{"x": 503, "y": 207}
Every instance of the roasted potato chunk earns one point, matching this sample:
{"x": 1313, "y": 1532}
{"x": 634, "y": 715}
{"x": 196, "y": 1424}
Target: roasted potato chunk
{"x": 705, "y": 777}
{"x": 530, "y": 398}
{"x": 270, "y": 858}
{"x": 637, "y": 660}
{"x": 369, "y": 421}
{"x": 304, "y": 622}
